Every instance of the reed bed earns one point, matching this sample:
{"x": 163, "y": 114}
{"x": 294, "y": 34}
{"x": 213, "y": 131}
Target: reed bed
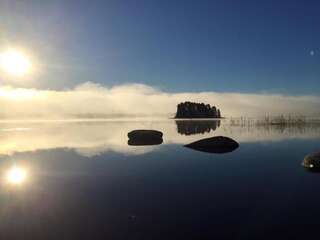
{"x": 281, "y": 120}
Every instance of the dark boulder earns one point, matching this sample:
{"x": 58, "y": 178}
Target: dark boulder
{"x": 217, "y": 144}
{"x": 145, "y": 137}
{"x": 312, "y": 161}
{"x": 145, "y": 134}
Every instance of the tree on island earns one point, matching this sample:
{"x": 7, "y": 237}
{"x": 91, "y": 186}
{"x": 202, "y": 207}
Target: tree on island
{"x": 196, "y": 110}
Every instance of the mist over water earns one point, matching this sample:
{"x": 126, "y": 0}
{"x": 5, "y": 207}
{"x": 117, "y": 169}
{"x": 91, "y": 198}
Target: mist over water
{"x": 136, "y": 100}
{"x": 94, "y": 137}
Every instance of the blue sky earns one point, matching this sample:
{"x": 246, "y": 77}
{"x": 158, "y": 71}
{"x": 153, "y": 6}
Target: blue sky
{"x": 178, "y": 46}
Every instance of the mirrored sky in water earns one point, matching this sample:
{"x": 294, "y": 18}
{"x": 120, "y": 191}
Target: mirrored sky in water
{"x": 81, "y": 180}
{"x": 90, "y": 138}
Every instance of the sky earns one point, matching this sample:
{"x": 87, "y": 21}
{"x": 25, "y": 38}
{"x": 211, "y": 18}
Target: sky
{"x": 175, "y": 46}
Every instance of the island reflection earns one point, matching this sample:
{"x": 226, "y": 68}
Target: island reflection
{"x": 186, "y": 127}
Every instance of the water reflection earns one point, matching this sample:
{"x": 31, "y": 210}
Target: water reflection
{"x": 188, "y": 127}
{"x": 117, "y": 196}
{"x": 95, "y": 138}
{"x": 144, "y": 142}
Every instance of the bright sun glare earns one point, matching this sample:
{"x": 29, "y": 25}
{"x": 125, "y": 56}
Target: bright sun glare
{"x": 15, "y": 62}
{"x": 16, "y": 175}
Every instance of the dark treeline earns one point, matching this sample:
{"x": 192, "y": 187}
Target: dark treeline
{"x": 197, "y": 110}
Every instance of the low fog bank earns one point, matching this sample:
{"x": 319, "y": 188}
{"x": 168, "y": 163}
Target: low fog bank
{"x": 95, "y": 138}
{"x": 91, "y": 100}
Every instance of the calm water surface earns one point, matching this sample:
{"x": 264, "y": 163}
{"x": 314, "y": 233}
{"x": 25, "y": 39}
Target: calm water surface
{"x": 81, "y": 180}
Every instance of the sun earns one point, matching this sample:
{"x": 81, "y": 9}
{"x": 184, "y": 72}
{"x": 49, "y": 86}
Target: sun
{"x": 16, "y": 175}
{"x": 15, "y": 62}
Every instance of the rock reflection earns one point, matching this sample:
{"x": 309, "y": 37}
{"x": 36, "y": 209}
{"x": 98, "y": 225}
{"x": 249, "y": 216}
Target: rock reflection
{"x": 144, "y": 142}
{"x": 185, "y": 127}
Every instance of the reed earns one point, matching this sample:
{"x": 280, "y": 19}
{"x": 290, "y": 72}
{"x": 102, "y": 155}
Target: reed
{"x": 281, "y": 120}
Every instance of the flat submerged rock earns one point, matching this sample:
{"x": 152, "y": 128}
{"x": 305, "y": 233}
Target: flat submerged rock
{"x": 312, "y": 161}
{"x": 217, "y": 144}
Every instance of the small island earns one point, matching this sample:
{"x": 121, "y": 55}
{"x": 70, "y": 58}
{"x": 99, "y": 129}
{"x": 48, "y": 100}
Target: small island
{"x": 196, "y": 110}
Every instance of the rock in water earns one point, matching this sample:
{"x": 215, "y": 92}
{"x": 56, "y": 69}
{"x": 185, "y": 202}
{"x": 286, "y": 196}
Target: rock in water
{"x": 145, "y": 134}
{"x": 312, "y": 161}
{"x": 144, "y": 137}
{"x": 217, "y": 144}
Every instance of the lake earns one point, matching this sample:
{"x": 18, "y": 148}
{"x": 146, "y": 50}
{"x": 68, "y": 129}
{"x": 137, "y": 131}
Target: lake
{"x": 81, "y": 180}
